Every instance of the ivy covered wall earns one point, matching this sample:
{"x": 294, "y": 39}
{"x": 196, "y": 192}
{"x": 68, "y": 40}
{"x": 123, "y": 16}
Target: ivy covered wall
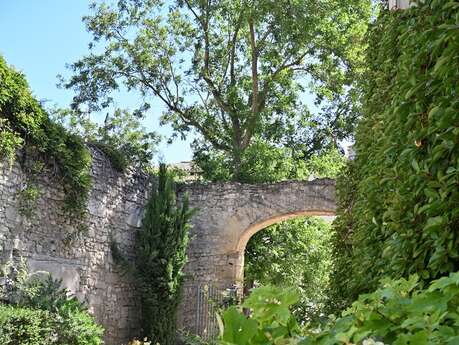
{"x": 399, "y": 199}
{"x": 24, "y": 124}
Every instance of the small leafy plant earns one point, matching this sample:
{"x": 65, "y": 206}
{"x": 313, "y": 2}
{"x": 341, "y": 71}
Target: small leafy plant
{"x": 400, "y": 312}
{"x": 36, "y": 310}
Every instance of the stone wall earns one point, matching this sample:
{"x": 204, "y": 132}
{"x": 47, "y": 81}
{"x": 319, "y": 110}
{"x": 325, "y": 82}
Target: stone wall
{"x": 228, "y": 214}
{"x": 50, "y": 241}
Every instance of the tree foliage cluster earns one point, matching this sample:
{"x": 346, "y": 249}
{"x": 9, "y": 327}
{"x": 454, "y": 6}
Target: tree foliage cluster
{"x": 25, "y": 124}
{"x": 232, "y": 71}
{"x": 399, "y": 200}
{"x": 399, "y": 313}
{"x": 121, "y": 137}
{"x": 262, "y": 163}
{"x": 293, "y": 253}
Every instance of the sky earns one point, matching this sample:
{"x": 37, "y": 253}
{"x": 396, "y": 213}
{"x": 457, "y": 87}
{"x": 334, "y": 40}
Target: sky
{"x": 39, "y": 37}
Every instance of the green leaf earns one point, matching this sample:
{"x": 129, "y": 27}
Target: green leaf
{"x": 434, "y": 223}
{"x": 237, "y": 328}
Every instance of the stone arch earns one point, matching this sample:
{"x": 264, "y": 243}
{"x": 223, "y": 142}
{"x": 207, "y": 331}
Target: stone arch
{"x": 227, "y": 217}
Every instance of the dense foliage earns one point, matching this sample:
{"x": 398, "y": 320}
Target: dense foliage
{"x": 399, "y": 202}
{"x": 24, "y": 123}
{"x": 161, "y": 247}
{"x": 161, "y": 255}
{"x": 37, "y": 311}
{"x": 293, "y": 253}
{"x": 262, "y": 163}
{"x": 232, "y": 71}
{"x": 399, "y": 313}
{"x": 121, "y": 137}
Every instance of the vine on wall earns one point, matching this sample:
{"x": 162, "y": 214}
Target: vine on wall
{"x": 24, "y": 123}
{"x": 399, "y": 201}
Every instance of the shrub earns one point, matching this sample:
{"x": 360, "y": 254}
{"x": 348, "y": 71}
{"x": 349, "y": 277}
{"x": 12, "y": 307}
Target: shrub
{"x": 42, "y": 312}
{"x": 161, "y": 255}
{"x": 75, "y": 326}
{"x": 399, "y": 312}
{"x": 67, "y": 326}
{"x": 25, "y": 326}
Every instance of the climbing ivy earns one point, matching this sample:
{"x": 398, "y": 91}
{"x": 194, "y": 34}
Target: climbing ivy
{"x": 24, "y": 123}
{"x": 399, "y": 201}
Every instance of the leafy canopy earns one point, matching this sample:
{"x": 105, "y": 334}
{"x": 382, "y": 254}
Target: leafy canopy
{"x": 230, "y": 70}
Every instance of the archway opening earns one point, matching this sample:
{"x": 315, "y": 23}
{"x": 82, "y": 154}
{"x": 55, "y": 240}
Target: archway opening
{"x": 295, "y": 252}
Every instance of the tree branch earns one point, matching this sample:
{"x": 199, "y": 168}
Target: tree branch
{"x": 183, "y": 114}
{"x": 255, "y": 101}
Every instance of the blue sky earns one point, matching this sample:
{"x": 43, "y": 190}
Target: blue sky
{"x": 39, "y": 37}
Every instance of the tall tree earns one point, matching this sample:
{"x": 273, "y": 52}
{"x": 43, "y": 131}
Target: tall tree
{"x": 232, "y": 70}
{"x": 161, "y": 256}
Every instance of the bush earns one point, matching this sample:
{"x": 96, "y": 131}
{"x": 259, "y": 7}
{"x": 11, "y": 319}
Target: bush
{"x": 399, "y": 312}
{"x": 75, "y": 326}
{"x": 25, "y": 326}
{"x": 41, "y": 312}
{"x": 161, "y": 247}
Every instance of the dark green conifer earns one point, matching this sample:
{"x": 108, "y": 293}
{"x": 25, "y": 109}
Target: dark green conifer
{"x": 161, "y": 255}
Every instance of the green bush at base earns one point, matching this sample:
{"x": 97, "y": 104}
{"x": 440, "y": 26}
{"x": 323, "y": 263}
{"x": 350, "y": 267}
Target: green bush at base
{"x": 38, "y": 311}
{"x": 27, "y": 326}
{"x": 68, "y": 326}
{"x": 400, "y": 312}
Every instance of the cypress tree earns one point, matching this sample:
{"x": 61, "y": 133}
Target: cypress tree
{"x": 161, "y": 256}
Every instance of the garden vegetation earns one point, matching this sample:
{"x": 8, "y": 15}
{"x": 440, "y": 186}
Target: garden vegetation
{"x": 35, "y": 310}
{"x": 161, "y": 246}
{"x": 399, "y": 200}
{"x": 24, "y": 124}
{"x": 395, "y": 245}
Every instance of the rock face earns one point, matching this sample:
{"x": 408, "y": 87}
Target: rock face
{"x": 228, "y": 215}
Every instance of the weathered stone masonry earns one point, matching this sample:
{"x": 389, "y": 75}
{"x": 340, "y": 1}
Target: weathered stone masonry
{"x": 228, "y": 215}
{"x": 51, "y": 242}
